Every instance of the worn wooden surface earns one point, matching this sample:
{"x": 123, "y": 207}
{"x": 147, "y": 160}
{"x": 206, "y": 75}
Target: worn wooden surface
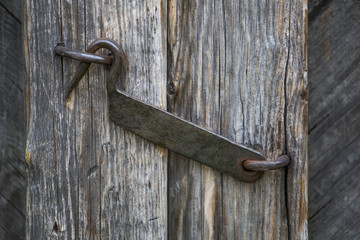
{"x": 238, "y": 68}
{"x": 88, "y": 178}
{"x": 235, "y": 68}
{"x": 12, "y": 122}
{"x": 334, "y": 121}
{"x": 15, "y": 9}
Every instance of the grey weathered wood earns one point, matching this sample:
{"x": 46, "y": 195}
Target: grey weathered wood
{"x": 87, "y": 177}
{"x": 296, "y": 122}
{"x": 334, "y": 54}
{"x": 193, "y": 90}
{"x": 135, "y": 190}
{"x": 46, "y": 129}
{"x": 239, "y": 70}
{"x": 235, "y": 68}
{"x": 14, "y": 8}
{"x": 76, "y": 215}
{"x": 12, "y": 124}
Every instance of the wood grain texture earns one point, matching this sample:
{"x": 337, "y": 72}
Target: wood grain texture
{"x": 88, "y": 178}
{"x": 12, "y": 125}
{"x": 334, "y": 140}
{"x": 239, "y": 69}
{"x": 46, "y": 126}
{"x": 193, "y": 90}
{"x": 14, "y": 8}
{"x": 296, "y": 123}
{"x": 138, "y": 199}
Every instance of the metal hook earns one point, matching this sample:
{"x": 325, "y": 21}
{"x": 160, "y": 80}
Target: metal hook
{"x": 117, "y": 60}
{"x": 164, "y": 128}
{"x": 61, "y": 50}
{"x": 256, "y": 165}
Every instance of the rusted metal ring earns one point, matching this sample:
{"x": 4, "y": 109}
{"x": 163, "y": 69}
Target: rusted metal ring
{"x": 83, "y": 56}
{"x": 248, "y": 175}
{"x": 256, "y": 165}
{"x": 118, "y": 62}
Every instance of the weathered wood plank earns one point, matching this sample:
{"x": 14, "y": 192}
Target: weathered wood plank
{"x": 74, "y": 206}
{"x": 193, "y": 90}
{"x": 239, "y": 70}
{"x": 234, "y": 69}
{"x": 134, "y": 179}
{"x": 90, "y": 142}
{"x": 46, "y": 129}
{"x": 296, "y": 122}
{"x": 12, "y": 126}
{"x": 100, "y": 181}
{"x": 334, "y": 119}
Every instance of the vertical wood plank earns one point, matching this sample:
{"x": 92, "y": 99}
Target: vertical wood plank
{"x": 193, "y": 94}
{"x": 45, "y": 118}
{"x": 249, "y": 49}
{"x": 75, "y": 216}
{"x": 253, "y": 105}
{"x": 133, "y": 170}
{"x": 99, "y": 181}
{"x": 297, "y": 98}
{"x": 92, "y": 140}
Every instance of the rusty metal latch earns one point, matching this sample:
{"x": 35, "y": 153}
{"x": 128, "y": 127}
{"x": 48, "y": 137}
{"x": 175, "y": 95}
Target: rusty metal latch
{"x": 164, "y": 128}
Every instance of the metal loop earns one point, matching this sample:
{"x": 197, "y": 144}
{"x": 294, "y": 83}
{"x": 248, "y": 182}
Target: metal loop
{"x": 256, "y": 165}
{"x": 83, "y": 56}
{"x": 118, "y": 62}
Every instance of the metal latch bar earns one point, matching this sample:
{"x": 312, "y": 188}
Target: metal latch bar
{"x": 166, "y": 129}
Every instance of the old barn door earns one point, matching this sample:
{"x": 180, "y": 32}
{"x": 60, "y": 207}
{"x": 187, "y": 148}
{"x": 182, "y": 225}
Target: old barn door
{"x": 237, "y": 68}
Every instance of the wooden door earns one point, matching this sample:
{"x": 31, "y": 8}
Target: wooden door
{"x": 237, "y": 68}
